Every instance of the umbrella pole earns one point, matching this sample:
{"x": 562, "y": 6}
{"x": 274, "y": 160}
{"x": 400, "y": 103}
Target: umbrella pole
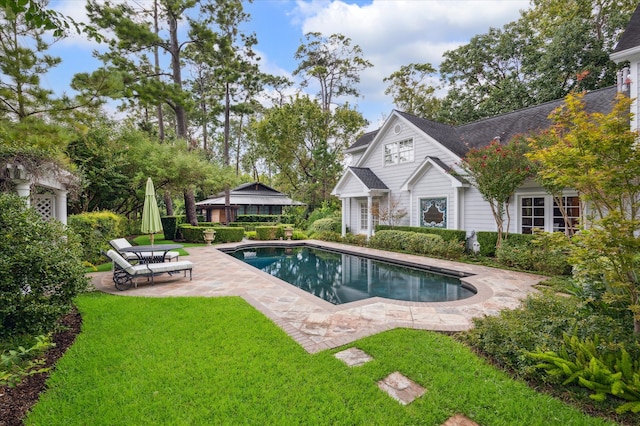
{"x": 151, "y": 238}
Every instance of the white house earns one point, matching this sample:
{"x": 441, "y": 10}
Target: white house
{"x": 408, "y": 163}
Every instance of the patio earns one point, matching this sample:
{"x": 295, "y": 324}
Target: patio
{"x": 318, "y": 325}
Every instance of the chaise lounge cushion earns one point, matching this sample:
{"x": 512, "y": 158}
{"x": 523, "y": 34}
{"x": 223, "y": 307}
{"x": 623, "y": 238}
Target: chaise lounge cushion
{"x": 149, "y": 269}
{"x": 120, "y": 243}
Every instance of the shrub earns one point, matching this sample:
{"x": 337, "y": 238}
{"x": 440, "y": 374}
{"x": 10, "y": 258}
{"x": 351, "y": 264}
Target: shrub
{"x": 258, "y": 218}
{"x": 250, "y": 235}
{"x": 299, "y": 235}
{"x": 487, "y": 241}
{"x": 417, "y": 242}
{"x": 540, "y": 324}
{"x": 269, "y": 232}
{"x": 226, "y": 234}
{"x": 446, "y": 234}
{"x": 251, "y": 226}
{"x": 544, "y": 252}
{"x": 40, "y": 269}
{"x": 95, "y": 230}
{"x": 327, "y": 224}
{"x": 328, "y": 236}
{"x": 356, "y": 239}
{"x": 170, "y": 226}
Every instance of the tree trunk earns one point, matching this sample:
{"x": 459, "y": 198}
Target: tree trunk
{"x": 168, "y": 202}
{"x": 174, "y": 50}
{"x": 190, "y": 207}
{"x": 227, "y": 190}
{"x": 156, "y": 58}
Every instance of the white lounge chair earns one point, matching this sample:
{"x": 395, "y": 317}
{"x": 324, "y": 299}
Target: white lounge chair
{"x": 120, "y": 243}
{"x": 124, "y": 272}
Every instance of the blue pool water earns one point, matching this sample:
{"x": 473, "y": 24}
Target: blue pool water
{"x": 342, "y": 278}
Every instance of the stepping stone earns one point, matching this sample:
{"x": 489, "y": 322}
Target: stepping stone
{"x": 401, "y": 388}
{"x": 353, "y": 357}
{"x": 459, "y": 420}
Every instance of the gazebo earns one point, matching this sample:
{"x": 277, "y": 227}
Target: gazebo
{"x": 46, "y": 192}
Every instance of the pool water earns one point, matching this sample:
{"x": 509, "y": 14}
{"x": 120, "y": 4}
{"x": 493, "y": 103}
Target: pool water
{"x": 342, "y": 278}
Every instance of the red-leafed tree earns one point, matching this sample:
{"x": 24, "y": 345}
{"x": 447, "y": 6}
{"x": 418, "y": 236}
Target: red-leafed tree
{"x": 497, "y": 171}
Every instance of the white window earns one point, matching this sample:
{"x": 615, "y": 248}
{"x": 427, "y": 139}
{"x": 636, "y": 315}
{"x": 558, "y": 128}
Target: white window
{"x": 542, "y": 212}
{"x": 398, "y": 152}
{"x": 532, "y": 214}
{"x": 572, "y": 209}
{"x": 364, "y": 216}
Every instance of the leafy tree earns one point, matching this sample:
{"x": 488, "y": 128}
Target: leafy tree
{"x": 497, "y": 171}
{"x": 554, "y": 48}
{"x": 489, "y": 75}
{"x": 23, "y": 62}
{"x": 333, "y": 62}
{"x": 37, "y": 15}
{"x": 411, "y": 90}
{"x": 597, "y": 154}
{"x": 294, "y": 139}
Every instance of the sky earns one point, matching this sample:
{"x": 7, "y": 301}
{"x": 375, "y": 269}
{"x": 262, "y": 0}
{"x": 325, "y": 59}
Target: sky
{"x": 391, "y": 33}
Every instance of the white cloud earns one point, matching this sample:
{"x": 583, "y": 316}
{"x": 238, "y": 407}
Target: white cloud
{"x": 393, "y": 33}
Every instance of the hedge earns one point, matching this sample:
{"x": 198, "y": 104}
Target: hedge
{"x": 251, "y": 226}
{"x": 330, "y": 224}
{"x": 417, "y": 242}
{"x": 258, "y": 218}
{"x": 269, "y": 232}
{"x": 224, "y": 234}
{"x": 488, "y": 241}
{"x": 170, "y": 226}
{"x": 446, "y": 234}
{"x": 95, "y": 230}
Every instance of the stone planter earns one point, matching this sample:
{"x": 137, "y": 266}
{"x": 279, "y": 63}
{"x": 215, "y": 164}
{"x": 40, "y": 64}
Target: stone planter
{"x": 288, "y": 233}
{"x": 209, "y": 235}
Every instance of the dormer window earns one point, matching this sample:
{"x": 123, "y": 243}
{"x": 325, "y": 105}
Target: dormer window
{"x": 398, "y": 152}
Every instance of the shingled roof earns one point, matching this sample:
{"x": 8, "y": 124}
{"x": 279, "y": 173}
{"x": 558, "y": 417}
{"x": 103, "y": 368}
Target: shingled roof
{"x": 368, "y": 178}
{"x": 459, "y": 139}
{"x": 631, "y": 36}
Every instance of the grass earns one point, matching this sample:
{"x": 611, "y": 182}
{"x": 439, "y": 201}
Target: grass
{"x": 219, "y": 361}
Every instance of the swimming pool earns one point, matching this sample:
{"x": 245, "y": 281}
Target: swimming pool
{"x": 342, "y": 277}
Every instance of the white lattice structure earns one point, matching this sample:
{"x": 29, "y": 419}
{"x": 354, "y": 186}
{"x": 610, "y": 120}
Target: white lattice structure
{"x": 50, "y": 205}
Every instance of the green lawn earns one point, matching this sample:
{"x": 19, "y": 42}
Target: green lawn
{"x": 202, "y": 361}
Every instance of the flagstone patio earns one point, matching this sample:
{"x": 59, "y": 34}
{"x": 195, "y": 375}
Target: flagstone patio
{"x": 318, "y": 325}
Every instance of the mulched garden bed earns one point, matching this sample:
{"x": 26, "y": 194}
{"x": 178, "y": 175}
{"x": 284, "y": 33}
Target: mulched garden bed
{"x": 16, "y": 402}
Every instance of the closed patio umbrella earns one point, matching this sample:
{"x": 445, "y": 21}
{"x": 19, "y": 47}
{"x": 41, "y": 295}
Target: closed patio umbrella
{"x": 151, "y": 223}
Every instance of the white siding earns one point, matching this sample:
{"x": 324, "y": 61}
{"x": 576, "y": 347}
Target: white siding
{"x": 352, "y": 185}
{"x": 477, "y": 212}
{"x": 434, "y": 184}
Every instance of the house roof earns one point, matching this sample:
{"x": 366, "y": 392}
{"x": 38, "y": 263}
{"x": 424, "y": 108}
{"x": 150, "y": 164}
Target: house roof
{"x": 363, "y": 140}
{"x": 368, "y": 178}
{"x": 459, "y": 139}
{"x": 255, "y": 194}
{"x": 630, "y": 38}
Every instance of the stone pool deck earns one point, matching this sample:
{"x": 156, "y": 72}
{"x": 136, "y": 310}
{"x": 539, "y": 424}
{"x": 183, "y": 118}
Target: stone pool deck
{"x": 318, "y": 325}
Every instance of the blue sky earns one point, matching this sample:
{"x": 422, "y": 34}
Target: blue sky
{"x": 391, "y": 33}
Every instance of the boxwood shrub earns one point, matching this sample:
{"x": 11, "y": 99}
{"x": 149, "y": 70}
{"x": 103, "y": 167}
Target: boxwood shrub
{"x": 446, "y": 234}
{"x": 269, "y": 232}
{"x": 95, "y": 230}
{"x": 226, "y": 234}
{"x": 487, "y": 241}
{"x": 170, "y": 226}
{"x": 417, "y": 242}
{"x": 330, "y": 224}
